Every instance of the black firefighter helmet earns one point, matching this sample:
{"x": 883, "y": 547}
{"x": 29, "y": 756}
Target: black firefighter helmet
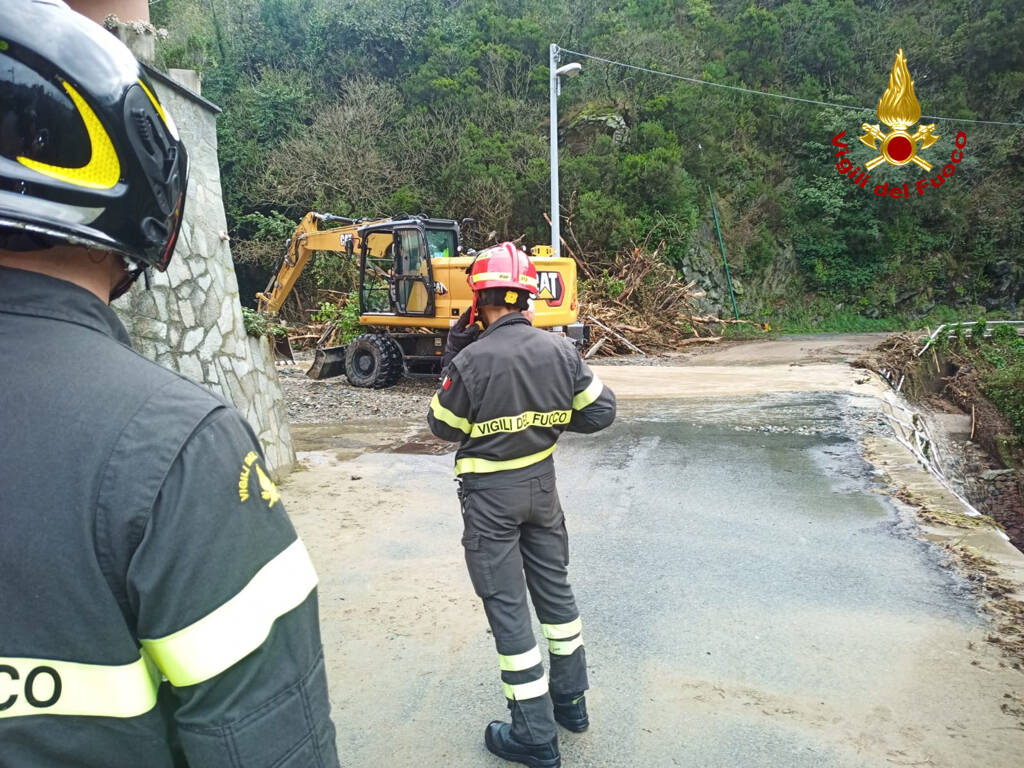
{"x": 88, "y": 156}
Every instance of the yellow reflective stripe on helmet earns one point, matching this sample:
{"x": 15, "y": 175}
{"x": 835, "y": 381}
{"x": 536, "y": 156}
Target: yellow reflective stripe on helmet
{"x": 588, "y": 395}
{"x": 524, "y": 691}
{"x": 520, "y": 661}
{"x": 448, "y": 417}
{"x": 565, "y": 647}
{"x": 562, "y": 631}
{"x": 49, "y": 687}
{"x": 492, "y": 276}
{"x": 518, "y": 423}
{"x": 480, "y": 466}
{"x": 103, "y": 170}
{"x": 223, "y": 637}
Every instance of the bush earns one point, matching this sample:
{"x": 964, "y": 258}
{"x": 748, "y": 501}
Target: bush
{"x": 1004, "y": 334}
{"x": 1005, "y": 388}
{"x": 344, "y": 315}
{"x": 257, "y": 324}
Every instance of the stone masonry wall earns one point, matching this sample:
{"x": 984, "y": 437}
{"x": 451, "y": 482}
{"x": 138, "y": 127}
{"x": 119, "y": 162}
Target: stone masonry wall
{"x": 191, "y": 319}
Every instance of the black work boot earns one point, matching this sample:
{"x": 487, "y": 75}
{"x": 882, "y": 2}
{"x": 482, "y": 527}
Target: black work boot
{"x": 499, "y": 741}
{"x": 571, "y": 711}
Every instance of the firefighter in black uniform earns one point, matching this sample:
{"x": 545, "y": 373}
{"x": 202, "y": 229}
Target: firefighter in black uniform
{"x": 506, "y": 398}
{"x": 157, "y": 608}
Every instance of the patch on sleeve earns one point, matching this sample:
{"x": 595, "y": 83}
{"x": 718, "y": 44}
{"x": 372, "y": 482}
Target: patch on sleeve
{"x": 446, "y": 383}
{"x": 268, "y": 491}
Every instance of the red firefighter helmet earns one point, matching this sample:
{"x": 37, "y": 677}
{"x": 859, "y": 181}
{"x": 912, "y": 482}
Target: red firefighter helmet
{"x": 501, "y": 266}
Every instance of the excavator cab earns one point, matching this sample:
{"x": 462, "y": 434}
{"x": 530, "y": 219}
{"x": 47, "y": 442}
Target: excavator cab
{"x": 403, "y": 270}
{"x": 412, "y": 288}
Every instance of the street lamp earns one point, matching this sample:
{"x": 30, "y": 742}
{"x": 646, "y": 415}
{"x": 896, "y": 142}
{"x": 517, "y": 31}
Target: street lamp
{"x": 568, "y": 70}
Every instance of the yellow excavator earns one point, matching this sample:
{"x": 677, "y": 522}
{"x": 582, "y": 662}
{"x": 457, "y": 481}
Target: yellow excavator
{"x": 412, "y": 289}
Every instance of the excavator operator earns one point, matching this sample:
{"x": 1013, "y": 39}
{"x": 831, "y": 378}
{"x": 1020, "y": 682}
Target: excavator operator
{"x": 158, "y": 609}
{"x": 506, "y": 398}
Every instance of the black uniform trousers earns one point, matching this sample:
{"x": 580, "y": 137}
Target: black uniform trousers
{"x": 514, "y": 527}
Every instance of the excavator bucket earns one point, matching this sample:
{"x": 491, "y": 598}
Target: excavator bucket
{"x": 328, "y": 362}
{"x": 283, "y": 350}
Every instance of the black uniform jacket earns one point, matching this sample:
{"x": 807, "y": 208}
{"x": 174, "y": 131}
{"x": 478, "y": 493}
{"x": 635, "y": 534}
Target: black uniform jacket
{"x": 156, "y": 606}
{"x": 509, "y": 395}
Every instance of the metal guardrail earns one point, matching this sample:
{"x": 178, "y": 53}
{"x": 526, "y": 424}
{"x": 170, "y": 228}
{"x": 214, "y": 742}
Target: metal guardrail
{"x": 950, "y": 330}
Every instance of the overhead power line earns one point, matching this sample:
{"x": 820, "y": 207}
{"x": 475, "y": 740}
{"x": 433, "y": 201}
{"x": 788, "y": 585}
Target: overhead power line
{"x": 698, "y": 81}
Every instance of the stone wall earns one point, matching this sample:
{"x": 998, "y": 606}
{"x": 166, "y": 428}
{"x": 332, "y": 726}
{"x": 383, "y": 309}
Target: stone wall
{"x": 191, "y": 319}
{"x": 998, "y": 493}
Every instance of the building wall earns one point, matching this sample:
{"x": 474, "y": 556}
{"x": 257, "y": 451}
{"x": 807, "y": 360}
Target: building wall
{"x": 191, "y": 319}
{"x": 126, "y": 10}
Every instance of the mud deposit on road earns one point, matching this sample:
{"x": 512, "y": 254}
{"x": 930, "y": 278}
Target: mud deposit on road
{"x": 750, "y": 596}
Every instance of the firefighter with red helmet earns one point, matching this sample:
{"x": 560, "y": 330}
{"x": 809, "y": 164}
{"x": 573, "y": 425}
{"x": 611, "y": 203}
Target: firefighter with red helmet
{"x": 506, "y": 398}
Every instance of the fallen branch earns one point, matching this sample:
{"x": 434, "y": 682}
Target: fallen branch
{"x": 699, "y": 340}
{"x": 593, "y": 349}
{"x": 617, "y": 335}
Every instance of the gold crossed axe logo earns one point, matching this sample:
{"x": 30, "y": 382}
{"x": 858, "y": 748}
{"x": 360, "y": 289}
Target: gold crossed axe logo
{"x": 899, "y": 109}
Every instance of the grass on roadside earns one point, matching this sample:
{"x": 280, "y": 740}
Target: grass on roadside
{"x": 822, "y": 316}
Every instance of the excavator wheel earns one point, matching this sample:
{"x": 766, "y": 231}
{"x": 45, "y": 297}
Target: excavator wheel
{"x": 373, "y": 360}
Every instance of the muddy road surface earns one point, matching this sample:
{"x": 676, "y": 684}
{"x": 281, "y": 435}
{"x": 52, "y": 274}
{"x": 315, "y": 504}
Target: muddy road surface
{"x": 750, "y": 593}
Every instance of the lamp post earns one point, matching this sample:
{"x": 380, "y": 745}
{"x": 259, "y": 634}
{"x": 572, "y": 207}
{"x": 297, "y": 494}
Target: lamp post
{"x": 569, "y": 70}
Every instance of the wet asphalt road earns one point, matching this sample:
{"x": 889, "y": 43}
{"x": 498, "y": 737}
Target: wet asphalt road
{"x": 748, "y": 597}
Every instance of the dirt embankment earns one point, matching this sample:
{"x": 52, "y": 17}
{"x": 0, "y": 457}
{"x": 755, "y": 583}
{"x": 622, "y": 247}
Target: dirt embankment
{"x": 945, "y": 380}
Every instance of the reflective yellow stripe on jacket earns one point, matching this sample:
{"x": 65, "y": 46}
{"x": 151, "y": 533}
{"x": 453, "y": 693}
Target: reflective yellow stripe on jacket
{"x": 49, "y": 687}
{"x": 472, "y": 464}
{"x": 501, "y": 424}
{"x": 238, "y": 627}
{"x": 588, "y": 395}
{"x": 449, "y": 417}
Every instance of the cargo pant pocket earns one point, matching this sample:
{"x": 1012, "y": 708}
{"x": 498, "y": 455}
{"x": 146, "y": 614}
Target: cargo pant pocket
{"x": 478, "y": 562}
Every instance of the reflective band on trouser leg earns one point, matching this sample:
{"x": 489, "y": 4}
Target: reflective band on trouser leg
{"x": 588, "y": 395}
{"x": 565, "y": 647}
{"x": 236, "y": 629}
{"x": 520, "y": 661}
{"x": 562, "y": 631}
{"x": 48, "y": 687}
{"x": 474, "y": 465}
{"x": 524, "y": 691}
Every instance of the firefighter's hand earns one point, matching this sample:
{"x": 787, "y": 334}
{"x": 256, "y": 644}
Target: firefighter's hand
{"x": 463, "y": 330}
{"x": 460, "y": 336}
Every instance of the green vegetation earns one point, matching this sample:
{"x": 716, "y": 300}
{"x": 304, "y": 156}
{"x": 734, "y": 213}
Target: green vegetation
{"x": 257, "y": 324}
{"x": 371, "y": 107}
{"x": 1002, "y": 376}
{"x": 345, "y": 316}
